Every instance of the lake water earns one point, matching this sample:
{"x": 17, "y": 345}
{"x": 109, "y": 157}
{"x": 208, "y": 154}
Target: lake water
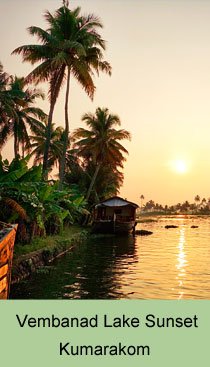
{"x": 169, "y": 264}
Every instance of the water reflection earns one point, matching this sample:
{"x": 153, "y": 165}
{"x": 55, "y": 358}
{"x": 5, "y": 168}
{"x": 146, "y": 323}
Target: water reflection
{"x": 181, "y": 262}
{"x": 170, "y": 264}
{"x": 92, "y": 271}
{"x": 97, "y": 278}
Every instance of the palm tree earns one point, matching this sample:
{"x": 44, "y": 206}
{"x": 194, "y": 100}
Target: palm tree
{"x": 100, "y": 143}
{"x": 56, "y": 144}
{"x": 7, "y": 103}
{"x": 186, "y": 206}
{"x": 108, "y": 182}
{"x": 150, "y": 205}
{"x": 142, "y": 199}
{"x": 197, "y": 199}
{"x": 70, "y": 46}
{"x": 21, "y": 115}
{"x": 203, "y": 202}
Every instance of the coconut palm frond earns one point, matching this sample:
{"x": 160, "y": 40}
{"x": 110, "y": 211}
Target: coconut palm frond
{"x": 17, "y": 208}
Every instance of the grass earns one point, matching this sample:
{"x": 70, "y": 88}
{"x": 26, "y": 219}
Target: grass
{"x": 46, "y": 242}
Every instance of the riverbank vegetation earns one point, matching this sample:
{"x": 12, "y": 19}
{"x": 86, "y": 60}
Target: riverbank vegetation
{"x": 87, "y": 166}
{"x": 37, "y": 256}
{"x": 48, "y": 242}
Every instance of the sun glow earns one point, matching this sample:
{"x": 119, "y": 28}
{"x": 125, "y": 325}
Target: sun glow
{"x": 179, "y": 166}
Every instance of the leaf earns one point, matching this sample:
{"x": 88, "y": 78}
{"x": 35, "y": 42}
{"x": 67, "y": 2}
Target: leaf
{"x": 16, "y": 207}
{"x": 13, "y": 176}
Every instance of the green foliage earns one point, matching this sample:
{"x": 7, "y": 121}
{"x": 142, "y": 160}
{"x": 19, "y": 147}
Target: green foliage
{"x": 101, "y": 154}
{"x": 39, "y": 207}
{"x": 17, "y": 112}
{"x": 107, "y": 183}
{"x": 70, "y": 46}
{"x": 55, "y": 148}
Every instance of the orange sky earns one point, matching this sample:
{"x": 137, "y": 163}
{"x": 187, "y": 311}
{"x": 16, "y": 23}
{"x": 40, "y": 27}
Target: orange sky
{"x": 160, "y": 87}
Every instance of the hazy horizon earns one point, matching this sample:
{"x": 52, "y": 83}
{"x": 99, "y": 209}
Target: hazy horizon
{"x": 160, "y": 87}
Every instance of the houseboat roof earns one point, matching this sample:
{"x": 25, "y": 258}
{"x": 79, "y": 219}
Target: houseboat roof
{"x": 116, "y": 201}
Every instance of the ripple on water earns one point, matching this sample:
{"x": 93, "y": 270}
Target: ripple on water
{"x": 170, "y": 264}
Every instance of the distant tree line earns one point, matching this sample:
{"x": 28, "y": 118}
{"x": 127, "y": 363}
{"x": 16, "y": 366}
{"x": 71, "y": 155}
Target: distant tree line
{"x": 199, "y": 206}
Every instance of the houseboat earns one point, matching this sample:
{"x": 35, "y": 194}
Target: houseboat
{"x": 7, "y": 240}
{"x": 115, "y": 215}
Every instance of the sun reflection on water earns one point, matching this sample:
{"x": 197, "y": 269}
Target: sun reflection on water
{"x": 181, "y": 262}
{"x": 169, "y": 264}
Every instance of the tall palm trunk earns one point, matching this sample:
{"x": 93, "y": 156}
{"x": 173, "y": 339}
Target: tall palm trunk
{"x": 16, "y": 145}
{"x": 47, "y": 142}
{"x": 93, "y": 181}
{"x": 66, "y": 135}
{"x": 23, "y": 151}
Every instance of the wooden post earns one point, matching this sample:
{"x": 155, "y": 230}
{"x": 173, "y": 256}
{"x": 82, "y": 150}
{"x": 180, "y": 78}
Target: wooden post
{"x": 114, "y": 220}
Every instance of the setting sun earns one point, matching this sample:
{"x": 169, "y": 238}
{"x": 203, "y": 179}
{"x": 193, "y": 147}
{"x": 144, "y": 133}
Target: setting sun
{"x": 179, "y": 166}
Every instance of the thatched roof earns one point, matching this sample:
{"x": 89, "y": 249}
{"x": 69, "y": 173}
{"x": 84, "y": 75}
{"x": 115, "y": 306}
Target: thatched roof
{"x": 116, "y": 201}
